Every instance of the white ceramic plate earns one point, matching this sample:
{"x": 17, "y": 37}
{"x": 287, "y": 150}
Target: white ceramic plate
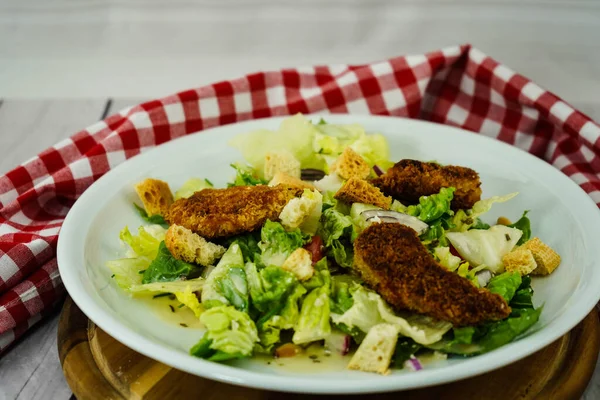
{"x": 562, "y": 215}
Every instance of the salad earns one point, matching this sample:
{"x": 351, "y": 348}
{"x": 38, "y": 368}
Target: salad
{"x": 319, "y": 239}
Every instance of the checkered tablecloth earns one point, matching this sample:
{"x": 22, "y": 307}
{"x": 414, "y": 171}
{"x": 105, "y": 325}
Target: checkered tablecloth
{"x": 458, "y": 86}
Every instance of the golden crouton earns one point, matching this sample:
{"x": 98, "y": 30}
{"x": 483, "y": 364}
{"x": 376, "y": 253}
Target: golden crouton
{"x": 187, "y": 246}
{"x": 281, "y": 161}
{"x": 375, "y": 352}
{"x": 360, "y": 191}
{"x": 520, "y": 260}
{"x": 351, "y": 165}
{"x": 299, "y": 263}
{"x": 547, "y": 260}
{"x": 155, "y": 195}
{"x": 281, "y": 178}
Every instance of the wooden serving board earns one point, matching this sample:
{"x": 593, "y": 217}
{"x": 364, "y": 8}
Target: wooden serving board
{"x": 96, "y": 366}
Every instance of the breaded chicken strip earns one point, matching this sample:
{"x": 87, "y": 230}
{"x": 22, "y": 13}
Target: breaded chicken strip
{"x": 392, "y": 260}
{"x": 408, "y": 180}
{"x": 215, "y": 213}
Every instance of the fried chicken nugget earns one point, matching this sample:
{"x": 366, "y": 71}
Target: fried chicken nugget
{"x": 391, "y": 260}
{"x": 217, "y": 213}
{"x": 408, "y": 180}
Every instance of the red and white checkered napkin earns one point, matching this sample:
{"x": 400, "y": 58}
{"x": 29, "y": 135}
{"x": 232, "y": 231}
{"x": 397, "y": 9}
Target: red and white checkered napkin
{"x": 458, "y": 86}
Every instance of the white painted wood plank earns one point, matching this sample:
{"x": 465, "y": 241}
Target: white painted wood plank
{"x": 31, "y": 370}
{"x": 151, "y": 49}
{"x": 28, "y": 127}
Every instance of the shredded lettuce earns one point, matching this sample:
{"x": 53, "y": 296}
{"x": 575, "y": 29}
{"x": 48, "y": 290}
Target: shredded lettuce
{"x": 227, "y": 283}
{"x": 192, "y": 186}
{"x": 165, "y": 267}
{"x": 277, "y": 243}
{"x": 229, "y": 334}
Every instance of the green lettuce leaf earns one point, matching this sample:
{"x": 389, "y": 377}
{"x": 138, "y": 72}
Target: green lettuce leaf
{"x": 127, "y": 271}
{"x": 152, "y": 219}
{"x": 192, "y": 186}
{"x": 227, "y": 283}
{"x": 505, "y": 285}
{"x": 464, "y": 220}
{"x": 248, "y": 243}
{"x": 147, "y": 242}
{"x": 434, "y": 206}
{"x": 165, "y": 267}
{"x": 269, "y": 287}
{"x": 246, "y": 176}
{"x": 277, "y": 243}
{"x": 470, "y": 341}
{"x": 269, "y": 331}
{"x": 229, "y": 334}
{"x": 340, "y": 299}
{"x": 523, "y": 298}
{"x": 369, "y": 309}
{"x": 338, "y": 232}
{"x": 313, "y": 323}
{"x": 524, "y": 225}
{"x": 446, "y": 258}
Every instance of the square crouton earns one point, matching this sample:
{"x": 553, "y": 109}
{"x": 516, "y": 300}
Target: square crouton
{"x": 281, "y": 161}
{"x": 187, "y": 246}
{"x": 351, "y": 165}
{"x": 299, "y": 263}
{"x": 156, "y": 196}
{"x": 375, "y": 352}
{"x": 281, "y": 178}
{"x": 546, "y": 258}
{"x": 357, "y": 190}
{"x": 520, "y": 260}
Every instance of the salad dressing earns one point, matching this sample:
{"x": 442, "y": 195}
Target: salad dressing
{"x": 168, "y": 310}
{"x": 313, "y": 359}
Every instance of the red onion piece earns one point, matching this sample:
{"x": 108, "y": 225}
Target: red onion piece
{"x": 338, "y": 342}
{"x": 377, "y": 170}
{"x": 413, "y": 363}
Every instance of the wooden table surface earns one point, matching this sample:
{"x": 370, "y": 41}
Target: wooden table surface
{"x": 60, "y": 61}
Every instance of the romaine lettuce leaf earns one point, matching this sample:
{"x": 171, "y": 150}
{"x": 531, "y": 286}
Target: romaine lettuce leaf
{"x": 446, "y": 258}
{"x": 505, "y": 285}
{"x": 524, "y": 225}
{"x": 277, "y": 243}
{"x": 269, "y": 331}
{"x": 269, "y": 287}
{"x": 229, "y": 334}
{"x": 313, "y": 323}
{"x": 523, "y": 298}
{"x": 165, "y": 267}
{"x": 127, "y": 271}
{"x": 146, "y": 243}
{"x": 192, "y": 186}
{"x": 246, "y": 176}
{"x": 369, "y": 309}
{"x": 227, "y": 283}
{"x": 295, "y": 134}
{"x": 338, "y": 232}
{"x": 465, "y": 219}
{"x": 188, "y": 298}
{"x": 434, "y": 206}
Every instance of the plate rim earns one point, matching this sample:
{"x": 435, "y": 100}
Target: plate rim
{"x": 243, "y": 377}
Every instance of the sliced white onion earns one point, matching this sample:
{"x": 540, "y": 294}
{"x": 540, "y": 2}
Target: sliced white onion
{"x": 395, "y": 217}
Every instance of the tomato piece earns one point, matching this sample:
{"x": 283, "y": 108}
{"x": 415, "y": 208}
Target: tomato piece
{"x": 315, "y": 246}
